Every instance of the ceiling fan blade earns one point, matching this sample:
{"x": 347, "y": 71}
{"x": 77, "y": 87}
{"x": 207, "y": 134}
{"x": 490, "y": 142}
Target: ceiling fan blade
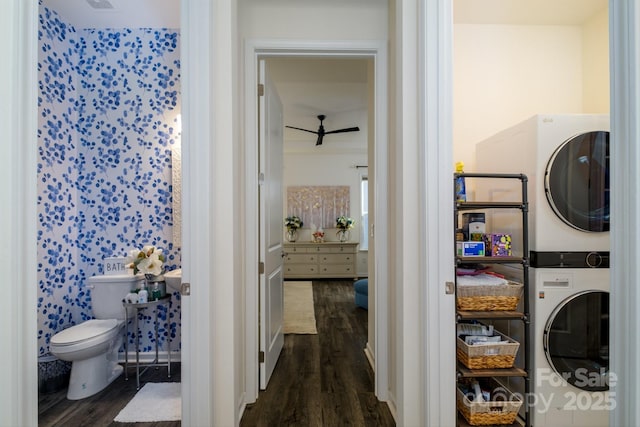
{"x": 306, "y": 130}
{"x": 321, "y": 133}
{"x": 355, "y": 129}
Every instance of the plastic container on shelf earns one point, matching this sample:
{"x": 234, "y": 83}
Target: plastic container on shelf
{"x": 461, "y": 189}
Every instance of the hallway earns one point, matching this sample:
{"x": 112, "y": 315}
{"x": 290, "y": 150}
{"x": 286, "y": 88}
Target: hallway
{"x": 323, "y": 379}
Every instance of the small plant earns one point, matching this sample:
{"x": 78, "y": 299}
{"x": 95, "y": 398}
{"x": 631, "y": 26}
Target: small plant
{"x": 293, "y": 222}
{"x": 318, "y": 235}
{"x": 344, "y": 223}
{"x": 148, "y": 260}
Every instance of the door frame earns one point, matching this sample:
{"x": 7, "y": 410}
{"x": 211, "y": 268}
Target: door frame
{"x": 270, "y": 240}
{"x": 18, "y": 400}
{"x": 259, "y": 49}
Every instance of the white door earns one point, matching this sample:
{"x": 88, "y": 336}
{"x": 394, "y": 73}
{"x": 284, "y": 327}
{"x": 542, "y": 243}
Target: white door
{"x": 271, "y": 223}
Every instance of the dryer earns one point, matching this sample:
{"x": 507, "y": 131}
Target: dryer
{"x": 566, "y": 160}
{"x": 569, "y": 349}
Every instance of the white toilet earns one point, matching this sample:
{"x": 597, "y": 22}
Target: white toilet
{"x": 93, "y": 345}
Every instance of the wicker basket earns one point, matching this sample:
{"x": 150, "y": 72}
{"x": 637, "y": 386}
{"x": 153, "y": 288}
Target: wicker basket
{"x": 489, "y": 297}
{"x": 488, "y": 356}
{"x": 492, "y": 412}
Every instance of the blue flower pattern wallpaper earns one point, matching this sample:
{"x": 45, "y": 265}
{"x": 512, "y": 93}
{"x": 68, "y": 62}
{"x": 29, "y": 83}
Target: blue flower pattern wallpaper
{"x": 109, "y": 104}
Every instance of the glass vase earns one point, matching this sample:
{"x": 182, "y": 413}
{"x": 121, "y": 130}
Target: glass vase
{"x": 292, "y": 235}
{"x": 343, "y": 235}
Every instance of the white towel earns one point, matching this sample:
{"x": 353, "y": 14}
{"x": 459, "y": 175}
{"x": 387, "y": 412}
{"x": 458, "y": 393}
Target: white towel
{"x": 481, "y": 279}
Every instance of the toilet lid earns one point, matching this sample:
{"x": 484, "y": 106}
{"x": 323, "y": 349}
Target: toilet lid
{"x": 90, "y": 329}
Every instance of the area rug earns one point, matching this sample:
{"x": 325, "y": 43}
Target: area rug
{"x": 154, "y": 402}
{"x": 299, "y": 315}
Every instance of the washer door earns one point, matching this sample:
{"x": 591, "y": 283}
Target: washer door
{"x": 577, "y": 181}
{"x": 576, "y": 340}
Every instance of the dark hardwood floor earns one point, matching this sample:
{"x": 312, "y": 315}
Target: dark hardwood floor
{"x": 320, "y": 380}
{"x": 324, "y": 379}
{"x": 99, "y": 410}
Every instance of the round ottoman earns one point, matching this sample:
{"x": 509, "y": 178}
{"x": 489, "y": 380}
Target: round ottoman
{"x": 361, "y": 288}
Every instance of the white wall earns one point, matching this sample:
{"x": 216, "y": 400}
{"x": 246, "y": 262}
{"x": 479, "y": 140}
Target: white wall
{"x": 316, "y": 168}
{"x": 504, "y": 74}
{"x": 18, "y": 174}
{"x": 595, "y": 64}
{"x": 313, "y": 20}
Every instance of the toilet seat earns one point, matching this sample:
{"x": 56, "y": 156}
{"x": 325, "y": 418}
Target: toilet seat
{"x": 93, "y": 328}
{"x": 84, "y": 335}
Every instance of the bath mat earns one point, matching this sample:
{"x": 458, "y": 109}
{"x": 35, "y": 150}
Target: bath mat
{"x": 154, "y": 402}
{"x": 299, "y": 315}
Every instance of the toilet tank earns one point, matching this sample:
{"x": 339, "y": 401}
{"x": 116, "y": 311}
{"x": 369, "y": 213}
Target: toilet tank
{"x": 108, "y": 291}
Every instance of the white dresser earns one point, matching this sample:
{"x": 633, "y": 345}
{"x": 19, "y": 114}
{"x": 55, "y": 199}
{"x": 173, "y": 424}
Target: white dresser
{"x": 330, "y": 260}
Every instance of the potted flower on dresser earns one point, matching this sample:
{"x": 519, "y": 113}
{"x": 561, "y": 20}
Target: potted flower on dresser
{"x": 293, "y": 223}
{"x": 344, "y": 224}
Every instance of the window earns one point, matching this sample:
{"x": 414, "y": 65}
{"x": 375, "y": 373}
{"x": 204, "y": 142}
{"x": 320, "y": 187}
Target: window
{"x": 364, "y": 213}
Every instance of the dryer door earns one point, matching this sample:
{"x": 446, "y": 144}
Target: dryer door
{"x": 577, "y": 181}
{"x": 576, "y": 340}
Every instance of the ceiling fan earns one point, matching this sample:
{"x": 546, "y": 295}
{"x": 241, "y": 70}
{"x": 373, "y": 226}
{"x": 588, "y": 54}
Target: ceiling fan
{"x": 321, "y": 132}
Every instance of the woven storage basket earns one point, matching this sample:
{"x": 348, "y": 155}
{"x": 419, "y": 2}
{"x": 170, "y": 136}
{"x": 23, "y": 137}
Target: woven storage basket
{"x": 488, "y": 356}
{"x": 492, "y": 412}
{"x": 489, "y": 297}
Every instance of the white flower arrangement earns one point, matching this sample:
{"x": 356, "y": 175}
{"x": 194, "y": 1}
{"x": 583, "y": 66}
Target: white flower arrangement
{"x": 148, "y": 260}
{"x": 293, "y": 222}
{"x": 344, "y": 223}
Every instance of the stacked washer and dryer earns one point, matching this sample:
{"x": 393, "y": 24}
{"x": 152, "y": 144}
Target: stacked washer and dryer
{"x": 566, "y": 160}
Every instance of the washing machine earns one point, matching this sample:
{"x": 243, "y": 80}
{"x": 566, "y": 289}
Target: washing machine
{"x": 570, "y": 347}
{"x": 566, "y": 160}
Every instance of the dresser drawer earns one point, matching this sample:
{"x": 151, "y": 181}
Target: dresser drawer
{"x": 300, "y": 269}
{"x": 296, "y": 249}
{"x": 336, "y": 259}
{"x": 341, "y": 249}
{"x": 337, "y": 269}
{"x": 301, "y": 258}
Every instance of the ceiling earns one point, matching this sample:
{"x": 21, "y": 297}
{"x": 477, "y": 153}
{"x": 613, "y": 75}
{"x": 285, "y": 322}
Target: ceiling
{"x": 122, "y": 13}
{"x": 312, "y": 86}
{"x": 166, "y": 13}
{"x": 333, "y": 87}
{"x": 526, "y": 12}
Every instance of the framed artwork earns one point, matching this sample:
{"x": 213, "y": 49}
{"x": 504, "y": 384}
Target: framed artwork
{"x": 318, "y": 205}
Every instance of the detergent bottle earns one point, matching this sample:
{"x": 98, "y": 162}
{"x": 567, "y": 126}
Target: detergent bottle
{"x": 461, "y": 190}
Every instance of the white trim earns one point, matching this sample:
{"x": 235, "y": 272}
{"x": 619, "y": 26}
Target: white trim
{"x": 368, "y": 352}
{"x": 198, "y": 49}
{"x": 255, "y": 49}
{"x": 438, "y": 315}
{"x": 251, "y": 225}
{"x": 624, "y": 34}
{"x": 18, "y": 220}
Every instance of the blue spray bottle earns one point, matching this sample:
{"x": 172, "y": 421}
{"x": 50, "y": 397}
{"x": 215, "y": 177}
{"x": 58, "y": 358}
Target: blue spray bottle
{"x": 461, "y": 190}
